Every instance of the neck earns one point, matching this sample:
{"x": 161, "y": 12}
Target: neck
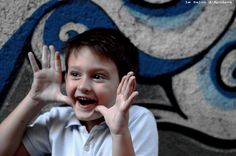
{"x": 90, "y": 124}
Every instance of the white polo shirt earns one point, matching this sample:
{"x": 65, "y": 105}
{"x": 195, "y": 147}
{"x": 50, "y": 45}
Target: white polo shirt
{"x": 60, "y": 133}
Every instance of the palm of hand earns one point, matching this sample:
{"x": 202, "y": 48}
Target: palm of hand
{"x": 47, "y": 81}
{"x": 46, "y": 84}
{"x": 117, "y": 116}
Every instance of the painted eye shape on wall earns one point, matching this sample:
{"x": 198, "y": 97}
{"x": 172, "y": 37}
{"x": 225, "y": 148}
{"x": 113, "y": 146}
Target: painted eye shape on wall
{"x": 155, "y": 4}
{"x": 225, "y": 66}
{"x": 167, "y": 15}
{"x": 219, "y": 68}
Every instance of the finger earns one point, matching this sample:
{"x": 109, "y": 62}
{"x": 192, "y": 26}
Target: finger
{"x": 132, "y": 97}
{"x": 45, "y": 59}
{"x": 121, "y": 84}
{"x": 129, "y": 87}
{"x": 129, "y": 75}
{"x": 125, "y": 107}
{"x": 52, "y": 58}
{"x": 33, "y": 62}
{"x": 124, "y": 85}
{"x": 132, "y": 83}
{"x": 58, "y": 66}
{"x": 101, "y": 109}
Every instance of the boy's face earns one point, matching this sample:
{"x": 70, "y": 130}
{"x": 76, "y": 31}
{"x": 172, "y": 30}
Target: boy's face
{"x": 91, "y": 80}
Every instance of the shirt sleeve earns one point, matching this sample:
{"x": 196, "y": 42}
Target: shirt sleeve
{"x": 143, "y": 129}
{"x": 36, "y": 138}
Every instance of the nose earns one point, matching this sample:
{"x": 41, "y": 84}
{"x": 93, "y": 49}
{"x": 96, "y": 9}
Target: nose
{"x": 84, "y": 85}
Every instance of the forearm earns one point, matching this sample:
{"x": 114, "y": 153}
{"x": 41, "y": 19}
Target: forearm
{"x": 13, "y": 127}
{"x": 122, "y": 144}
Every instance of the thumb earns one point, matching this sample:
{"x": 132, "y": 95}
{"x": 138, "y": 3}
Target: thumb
{"x": 101, "y": 109}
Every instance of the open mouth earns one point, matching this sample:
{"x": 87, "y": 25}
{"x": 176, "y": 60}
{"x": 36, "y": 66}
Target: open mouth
{"x": 86, "y": 101}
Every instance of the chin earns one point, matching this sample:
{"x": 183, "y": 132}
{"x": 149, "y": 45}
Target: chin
{"x": 87, "y": 116}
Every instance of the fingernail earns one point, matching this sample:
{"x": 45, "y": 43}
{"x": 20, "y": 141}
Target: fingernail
{"x": 130, "y": 73}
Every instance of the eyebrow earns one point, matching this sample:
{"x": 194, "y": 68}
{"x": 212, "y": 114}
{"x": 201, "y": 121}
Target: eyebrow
{"x": 95, "y": 69}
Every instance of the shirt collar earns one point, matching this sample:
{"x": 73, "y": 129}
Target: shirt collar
{"x": 73, "y": 121}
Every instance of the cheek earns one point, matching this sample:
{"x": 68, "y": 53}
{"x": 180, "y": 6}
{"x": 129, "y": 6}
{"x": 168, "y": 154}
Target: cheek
{"x": 70, "y": 89}
{"x": 107, "y": 95}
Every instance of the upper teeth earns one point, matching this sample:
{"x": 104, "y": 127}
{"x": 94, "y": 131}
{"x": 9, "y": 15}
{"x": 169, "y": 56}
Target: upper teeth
{"x": 84, "y": 100}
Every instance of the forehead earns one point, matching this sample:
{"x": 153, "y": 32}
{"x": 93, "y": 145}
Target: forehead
{"x": 85, "y": 56}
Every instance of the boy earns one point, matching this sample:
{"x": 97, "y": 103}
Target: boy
{"x": 100, "y": 90}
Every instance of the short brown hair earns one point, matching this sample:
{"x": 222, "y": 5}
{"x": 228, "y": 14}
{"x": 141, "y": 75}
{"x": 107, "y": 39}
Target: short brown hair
{"x": 110, "y": 43}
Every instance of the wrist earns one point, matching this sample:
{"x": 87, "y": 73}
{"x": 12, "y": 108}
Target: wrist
{"x": 30, "y": 98}
{"x": 122, "y": 144}
{"x": 121, "y": 132}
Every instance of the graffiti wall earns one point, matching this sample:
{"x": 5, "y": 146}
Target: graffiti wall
{"x": 187, "y": 61}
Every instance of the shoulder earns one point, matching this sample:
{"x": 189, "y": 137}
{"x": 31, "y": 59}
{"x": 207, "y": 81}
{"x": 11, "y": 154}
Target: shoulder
{"x": 61, "y": 111}
{"x": 143, "y": 130}
{"x": 55, "y": 115}
{"x": 140, "y": 114}
{"x": 142, "y": 122}
{"x": 136, "y": 111}
{"x": 58, "y": 111}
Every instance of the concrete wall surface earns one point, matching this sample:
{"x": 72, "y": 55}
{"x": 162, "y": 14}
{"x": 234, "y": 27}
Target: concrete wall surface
{"x": 187, "y": 61}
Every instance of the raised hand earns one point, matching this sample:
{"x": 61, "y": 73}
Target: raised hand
{"x": 117, "y": 116}
{"x": 47, "y": 81}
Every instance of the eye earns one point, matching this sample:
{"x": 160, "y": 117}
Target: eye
{"x": 99, "y": 77}
{"x": 74, "y": 74}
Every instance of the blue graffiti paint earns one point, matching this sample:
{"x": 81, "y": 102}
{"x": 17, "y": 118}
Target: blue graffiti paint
{"x": 153, "y": 67}
{"x": 90, "y": 15}
{"x": 150, "y": 67}
{"x": 172, "y": 16}
{"x": 174, "y": 9}
{"x": 227, "y": 91}
{"x": 209, "y": 78}
{"x": 82, "y": 12}
{"x": 12, "y": 52}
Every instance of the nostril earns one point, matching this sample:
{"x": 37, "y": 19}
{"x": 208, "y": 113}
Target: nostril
{"x": 84, "y": 89}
